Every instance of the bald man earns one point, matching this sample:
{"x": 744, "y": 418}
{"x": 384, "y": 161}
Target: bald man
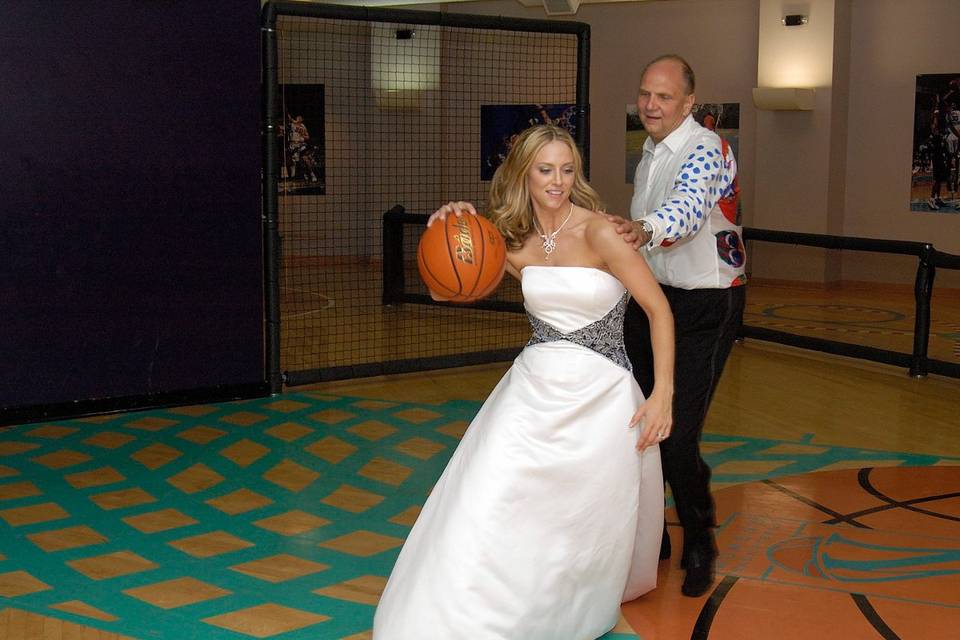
{"x": 684, "y": 219}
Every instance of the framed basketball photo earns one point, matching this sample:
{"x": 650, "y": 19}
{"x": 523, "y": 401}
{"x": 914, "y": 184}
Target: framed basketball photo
{"x": 936, "y": 144}
{"x": 500, "y": 124}
{"x": 302, "y": 160}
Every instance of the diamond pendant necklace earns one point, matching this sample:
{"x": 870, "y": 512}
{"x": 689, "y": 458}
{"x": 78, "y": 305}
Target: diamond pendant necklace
{"x": 550, "y": 241}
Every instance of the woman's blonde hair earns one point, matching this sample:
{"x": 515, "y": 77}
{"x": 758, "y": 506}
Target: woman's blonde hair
{"x": 510, "y": 207}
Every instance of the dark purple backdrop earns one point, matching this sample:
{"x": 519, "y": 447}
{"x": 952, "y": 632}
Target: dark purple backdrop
{"x": 130, "y": 250}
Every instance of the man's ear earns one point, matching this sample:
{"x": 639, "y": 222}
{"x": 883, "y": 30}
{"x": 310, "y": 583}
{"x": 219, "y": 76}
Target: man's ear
{"x": 688, "y": 103}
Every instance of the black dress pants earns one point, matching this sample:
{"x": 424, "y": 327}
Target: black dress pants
{"x": 706, "y": 326}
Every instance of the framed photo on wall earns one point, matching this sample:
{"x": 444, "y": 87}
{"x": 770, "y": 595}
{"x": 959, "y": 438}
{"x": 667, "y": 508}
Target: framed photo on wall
{"x": 936, "y": 144}
{"x": 302, "y": 161}
{"x": 723, "y": 118}
{"x": 500, "y": 124}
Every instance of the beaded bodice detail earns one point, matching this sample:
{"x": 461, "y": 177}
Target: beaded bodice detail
{"x": 604, "y": 336}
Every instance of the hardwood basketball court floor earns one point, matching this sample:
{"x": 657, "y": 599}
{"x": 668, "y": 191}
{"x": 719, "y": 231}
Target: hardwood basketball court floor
{"x": 837, "y": 485}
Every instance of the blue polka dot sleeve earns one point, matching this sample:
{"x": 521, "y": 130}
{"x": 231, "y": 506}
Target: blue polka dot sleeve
{"x": 701, "y": 181}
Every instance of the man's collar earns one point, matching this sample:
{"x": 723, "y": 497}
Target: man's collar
{"x": 676, "y": 139}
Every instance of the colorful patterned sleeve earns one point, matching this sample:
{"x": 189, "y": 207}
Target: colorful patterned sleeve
{"x": 704, "y": 177}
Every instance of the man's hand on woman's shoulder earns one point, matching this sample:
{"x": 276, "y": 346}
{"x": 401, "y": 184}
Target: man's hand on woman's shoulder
{"x": 628, "y": 229}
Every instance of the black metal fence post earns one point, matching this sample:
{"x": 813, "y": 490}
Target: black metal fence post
{"x": 583, "y": 97}
{"x": 922, "y": 291}
{"x": 393, "y": 282}
{"x": 271, "y": 233}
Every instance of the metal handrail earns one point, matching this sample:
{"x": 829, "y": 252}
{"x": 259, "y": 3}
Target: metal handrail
{"x": 918, "y": 362}
{"x": 928, "y": 259}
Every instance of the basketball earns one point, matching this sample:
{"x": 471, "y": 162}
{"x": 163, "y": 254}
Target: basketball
{"x": 462, "y": 259}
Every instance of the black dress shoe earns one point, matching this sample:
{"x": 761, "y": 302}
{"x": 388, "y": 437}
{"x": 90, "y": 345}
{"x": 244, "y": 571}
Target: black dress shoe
{"x": 699, "y": 563}
{"x": 665, "y": 548}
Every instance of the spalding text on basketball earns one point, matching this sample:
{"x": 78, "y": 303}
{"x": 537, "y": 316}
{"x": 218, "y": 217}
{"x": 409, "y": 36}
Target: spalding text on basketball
{"x": 464, "y": 248}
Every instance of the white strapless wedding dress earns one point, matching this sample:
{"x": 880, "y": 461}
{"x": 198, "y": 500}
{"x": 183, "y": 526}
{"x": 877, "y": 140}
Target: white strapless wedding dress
{"x": 546, "y": 517}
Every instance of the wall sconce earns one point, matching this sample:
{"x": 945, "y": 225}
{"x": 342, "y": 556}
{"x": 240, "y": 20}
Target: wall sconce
{"x": 560, "y": 7}
{"x": 794, "y": 20}
{"x": 404, "y": 62}
{"x": 783, "y": 98}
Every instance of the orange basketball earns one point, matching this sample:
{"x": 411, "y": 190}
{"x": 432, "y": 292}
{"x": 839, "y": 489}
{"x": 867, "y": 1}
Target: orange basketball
{"x": 462, "y": 259}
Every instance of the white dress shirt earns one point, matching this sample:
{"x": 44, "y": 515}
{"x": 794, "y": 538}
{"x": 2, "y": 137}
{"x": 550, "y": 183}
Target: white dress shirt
{"x": 685, "y": 187}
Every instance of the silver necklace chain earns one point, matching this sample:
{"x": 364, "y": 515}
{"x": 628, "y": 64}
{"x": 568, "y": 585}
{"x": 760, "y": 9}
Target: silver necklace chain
{"x": 550, "y": 241}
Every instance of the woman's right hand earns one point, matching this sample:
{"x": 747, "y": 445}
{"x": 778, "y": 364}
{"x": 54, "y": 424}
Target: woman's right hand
{"x": 456, "y": 208}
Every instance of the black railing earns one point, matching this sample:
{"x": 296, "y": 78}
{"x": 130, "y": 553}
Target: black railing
{"x": 929, "y": 259}
{"x": 918, "y": 362}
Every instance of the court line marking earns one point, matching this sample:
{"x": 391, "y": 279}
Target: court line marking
{"x": 330, "y": 303}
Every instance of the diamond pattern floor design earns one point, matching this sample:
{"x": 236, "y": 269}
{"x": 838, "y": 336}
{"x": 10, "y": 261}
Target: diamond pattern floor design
{"x": 268, "y": 518}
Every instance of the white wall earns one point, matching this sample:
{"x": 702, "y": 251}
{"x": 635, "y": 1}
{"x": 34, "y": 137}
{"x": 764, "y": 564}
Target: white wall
{"x": 891, "y": 43}
{"x": 718, "y": 37}
{"x": 794, "y": 149}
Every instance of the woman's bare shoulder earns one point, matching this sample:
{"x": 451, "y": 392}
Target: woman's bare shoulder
{"x": 599, "y": 229}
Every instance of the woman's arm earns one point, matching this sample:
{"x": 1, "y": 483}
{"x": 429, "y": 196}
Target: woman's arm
{"x": 631, "y": 269}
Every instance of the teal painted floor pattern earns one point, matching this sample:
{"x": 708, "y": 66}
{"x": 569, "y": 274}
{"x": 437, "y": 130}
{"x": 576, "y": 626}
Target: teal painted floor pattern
{"x": 269, "y": 518}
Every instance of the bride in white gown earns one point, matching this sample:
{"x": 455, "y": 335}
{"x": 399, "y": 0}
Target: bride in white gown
{"x": 550, "y": 512}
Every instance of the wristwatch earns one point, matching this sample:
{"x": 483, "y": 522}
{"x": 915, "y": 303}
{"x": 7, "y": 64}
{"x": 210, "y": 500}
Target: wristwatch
{"x": 647, "y": 229}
